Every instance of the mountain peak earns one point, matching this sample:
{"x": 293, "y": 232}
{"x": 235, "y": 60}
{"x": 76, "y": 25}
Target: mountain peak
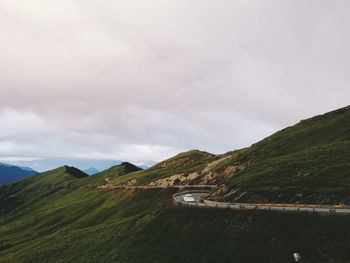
{"x": 130, "y": 167}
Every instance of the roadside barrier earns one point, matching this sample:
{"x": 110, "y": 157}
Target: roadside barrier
{"x": 331, "y": 209}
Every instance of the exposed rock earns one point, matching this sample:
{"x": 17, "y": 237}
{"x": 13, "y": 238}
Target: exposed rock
{"x": 213, "y": 164}
{"x": 175, "y": 163}
{"x": 175, "y": 179}
{"x": 132, "y": 182}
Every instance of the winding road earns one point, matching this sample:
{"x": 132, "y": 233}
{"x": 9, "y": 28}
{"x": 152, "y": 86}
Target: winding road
{"x": 199, "y": 202}
{"x": 153, "y": 187}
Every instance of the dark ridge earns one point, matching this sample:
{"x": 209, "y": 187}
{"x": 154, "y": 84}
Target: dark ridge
{"x": 130, "y": 167}
{"x": 75, "y": 172}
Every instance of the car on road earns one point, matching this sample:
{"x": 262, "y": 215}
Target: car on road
{"x": 189, "y": 198}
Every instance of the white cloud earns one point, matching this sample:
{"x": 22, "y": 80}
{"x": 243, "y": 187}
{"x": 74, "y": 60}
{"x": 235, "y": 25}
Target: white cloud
{"x": 19, "y": 159}
{"x": 14, "y": 123}
{"x": 143, "y": 80}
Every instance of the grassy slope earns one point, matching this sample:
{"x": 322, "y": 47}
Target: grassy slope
{"x": 112, "y": 173}
{"x": 90, "y": 225}
{"x": 307, "y": 162}
{"x": 63, "y": 176}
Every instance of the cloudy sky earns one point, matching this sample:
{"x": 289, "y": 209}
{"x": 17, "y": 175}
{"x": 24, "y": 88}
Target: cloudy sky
{"x": 144, "y": 80}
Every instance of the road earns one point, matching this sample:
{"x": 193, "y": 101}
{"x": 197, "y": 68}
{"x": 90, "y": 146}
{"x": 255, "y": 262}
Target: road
{"x": 197, "y": 194}
{"x": 197, "y": 197}
{"x": 153, "y": 187}
{"x": 178, "y": 199}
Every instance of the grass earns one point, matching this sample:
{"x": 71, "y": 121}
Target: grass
{"x": 90, "y": 225}
{"x": 63, "y": 176}
{"x": 310, "y": 159}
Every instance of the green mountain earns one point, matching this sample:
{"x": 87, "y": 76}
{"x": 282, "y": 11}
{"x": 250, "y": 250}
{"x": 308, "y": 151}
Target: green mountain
{"x": 308, "y": 162}
{"x": 64, "y": 176}
{"x": 61, "y": 215}
{"x": 108, "y": 175}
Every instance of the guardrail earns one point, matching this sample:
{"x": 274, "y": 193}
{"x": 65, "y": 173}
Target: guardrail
{"x": 191, "y": 192}
{"x": 332, "y": 209}
{"x": 121, "y": 186}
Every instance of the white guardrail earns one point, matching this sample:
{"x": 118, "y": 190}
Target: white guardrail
{"x": 332, "y": 209}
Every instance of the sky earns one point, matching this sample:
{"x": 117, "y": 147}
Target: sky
{"x": 145, "y": 80}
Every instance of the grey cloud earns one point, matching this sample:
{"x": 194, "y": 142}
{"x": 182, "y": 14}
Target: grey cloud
{"x": 141, "y": 79}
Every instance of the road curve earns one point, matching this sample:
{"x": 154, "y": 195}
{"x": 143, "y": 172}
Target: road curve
{"x": 152, "y": 187}
{"x": 199, "y": 202}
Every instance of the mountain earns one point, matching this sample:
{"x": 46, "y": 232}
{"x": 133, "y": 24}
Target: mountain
{"x": 9, "y": 173}
{"x": 91, "y": 171}
{"x": 62, "y": 216}
{"x": 308, "y": 162}
{"x": 46, "y": 164}
{"x": 60, "y": 177}
{"x": 305, "y": 163}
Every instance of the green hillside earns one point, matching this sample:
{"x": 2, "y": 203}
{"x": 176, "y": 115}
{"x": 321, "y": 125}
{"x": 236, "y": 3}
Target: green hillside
{"x": 308, "y": 162}
{"x": 63, "y": 176}
{"x": 92, "y": 225}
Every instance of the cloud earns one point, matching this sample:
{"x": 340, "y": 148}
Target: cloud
{"x": 18, "y": 159}
{"x": 144, "y": 80}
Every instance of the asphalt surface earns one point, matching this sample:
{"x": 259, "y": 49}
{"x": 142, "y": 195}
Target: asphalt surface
{"x": 196, "y": 196}
{"x": 153, "y": 187}
{"x": 178, "y": 199}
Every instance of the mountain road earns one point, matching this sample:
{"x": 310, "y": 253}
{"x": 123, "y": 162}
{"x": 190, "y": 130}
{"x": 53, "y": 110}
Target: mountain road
{"x": 199, "y": 202}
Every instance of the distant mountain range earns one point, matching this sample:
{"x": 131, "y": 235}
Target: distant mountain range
{"x": 46, "y": 164}
{"x": 10, "y": 173}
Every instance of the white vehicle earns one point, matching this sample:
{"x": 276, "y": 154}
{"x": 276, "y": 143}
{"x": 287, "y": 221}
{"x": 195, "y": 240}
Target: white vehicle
{"x": 189, "y": 198}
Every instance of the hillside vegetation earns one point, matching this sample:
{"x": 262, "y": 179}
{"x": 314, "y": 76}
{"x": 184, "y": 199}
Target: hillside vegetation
{"x": 62, "y": 176}
{"x": 93, "y": 225}
{"x": 308, "y": 162}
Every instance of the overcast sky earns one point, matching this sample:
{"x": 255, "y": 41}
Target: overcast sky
{"x": 144, "y": 80}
